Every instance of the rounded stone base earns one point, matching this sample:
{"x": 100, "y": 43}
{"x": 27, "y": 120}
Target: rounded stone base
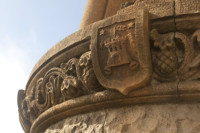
{"x": 163, "y": 118}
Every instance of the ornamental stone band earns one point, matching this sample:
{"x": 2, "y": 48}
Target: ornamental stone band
{"x": 134, "y": 66}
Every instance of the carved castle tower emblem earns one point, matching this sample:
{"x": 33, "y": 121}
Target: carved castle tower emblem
{"x": 118, "y": 53}
{"x": 121, "y": 54}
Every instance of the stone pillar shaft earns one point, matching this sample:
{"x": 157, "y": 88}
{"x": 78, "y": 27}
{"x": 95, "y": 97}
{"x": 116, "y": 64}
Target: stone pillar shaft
{"x": 96, "y": 11}
{"x": 93, "y": 12}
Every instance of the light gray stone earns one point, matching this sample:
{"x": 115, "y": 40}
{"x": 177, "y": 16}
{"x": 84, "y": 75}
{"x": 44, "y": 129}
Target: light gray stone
{"x": 165, "y": 118}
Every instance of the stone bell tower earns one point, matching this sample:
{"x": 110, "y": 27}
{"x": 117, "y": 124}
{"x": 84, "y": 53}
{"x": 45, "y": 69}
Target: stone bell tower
{"x": 134, "y": 66}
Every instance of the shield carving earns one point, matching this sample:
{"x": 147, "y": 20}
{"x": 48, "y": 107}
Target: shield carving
{"x": 121, "y": 52}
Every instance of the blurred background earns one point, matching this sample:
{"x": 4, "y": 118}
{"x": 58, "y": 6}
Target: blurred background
{"x": 28, "y": 29}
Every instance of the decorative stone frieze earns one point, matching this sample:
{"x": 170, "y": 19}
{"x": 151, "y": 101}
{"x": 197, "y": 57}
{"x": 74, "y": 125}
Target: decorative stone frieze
{"x": 138, "y": 56}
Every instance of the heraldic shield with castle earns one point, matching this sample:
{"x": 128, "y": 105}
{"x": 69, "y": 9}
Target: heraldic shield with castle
{"x": 121, "y": 53}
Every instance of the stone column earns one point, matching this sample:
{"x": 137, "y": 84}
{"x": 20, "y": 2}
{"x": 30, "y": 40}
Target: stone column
{"x": 98, "y": 10}
{"x": 137, "y": 70}
{"x": 94, "y": 11}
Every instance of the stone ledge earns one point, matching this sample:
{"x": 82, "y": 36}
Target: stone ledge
{"x": 68, "y": 79}
{"x": 103, "y": 100}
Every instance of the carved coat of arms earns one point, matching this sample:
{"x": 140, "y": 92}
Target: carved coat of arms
{"x": 121, "y": 54}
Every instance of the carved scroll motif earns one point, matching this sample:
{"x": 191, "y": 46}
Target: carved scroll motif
{"x": 175, "y": 57}
{"x": 72, "y": 79}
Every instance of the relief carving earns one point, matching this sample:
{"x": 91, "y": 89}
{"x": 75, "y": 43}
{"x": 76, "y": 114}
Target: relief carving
{"x": 118, "y": 53}
{"x": 86, "y": 73}
{"x": 72, "y": 79}
{"x": 122, "y": 57}
{"x": 121, "y": 54}
{"x": 175, "y": 56}
{"x": 196, "y": 42}
{"x": 164, "y": 56}
{"x": 195, "y": 62}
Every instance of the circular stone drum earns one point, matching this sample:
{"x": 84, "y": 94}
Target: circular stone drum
{"x": 136, "y": 70}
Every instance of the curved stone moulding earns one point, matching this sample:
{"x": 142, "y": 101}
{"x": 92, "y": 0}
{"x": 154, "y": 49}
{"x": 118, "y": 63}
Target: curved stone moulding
{"x": 102, "y": 100}
{"x": 133, "y": 57}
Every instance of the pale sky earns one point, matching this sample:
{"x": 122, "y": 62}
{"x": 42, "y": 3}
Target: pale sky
{"x": 28, "y": 29}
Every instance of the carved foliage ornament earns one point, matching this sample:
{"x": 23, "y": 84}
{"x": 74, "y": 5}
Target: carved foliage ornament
{"x": 72, "y": 79}
{"x": 120, "y": 59}
{"x": 125, "y": 65}
{"x": 121, "y": 53}
{"x": 175, "y": 56}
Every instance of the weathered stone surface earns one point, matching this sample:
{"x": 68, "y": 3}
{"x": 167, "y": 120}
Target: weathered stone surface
{"x": 107, "y": 8}
{"x": 113, "y": 6}
{"x": 166, "y": 118}
{"x": 121, "y": 54}
{"x": 93, "y": 12}
{"x": 148, "y": 60}
{"x": 156, "y": 8}
{"x": 90, "y": 123}
{"x": 187, "y": 15}
{"x": 187, "y": 7}
{"x": 96, "y": 11}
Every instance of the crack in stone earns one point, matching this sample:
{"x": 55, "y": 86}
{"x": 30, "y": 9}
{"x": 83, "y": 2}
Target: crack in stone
{"x": 174, "y": 14}
{"x": 175, "y": 30}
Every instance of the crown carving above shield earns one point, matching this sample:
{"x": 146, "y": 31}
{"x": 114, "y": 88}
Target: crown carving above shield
{"x": 121, "y": 52}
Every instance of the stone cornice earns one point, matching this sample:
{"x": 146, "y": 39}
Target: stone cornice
{"x": 134, "y": 57}
{"x": 104, "y": 99}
